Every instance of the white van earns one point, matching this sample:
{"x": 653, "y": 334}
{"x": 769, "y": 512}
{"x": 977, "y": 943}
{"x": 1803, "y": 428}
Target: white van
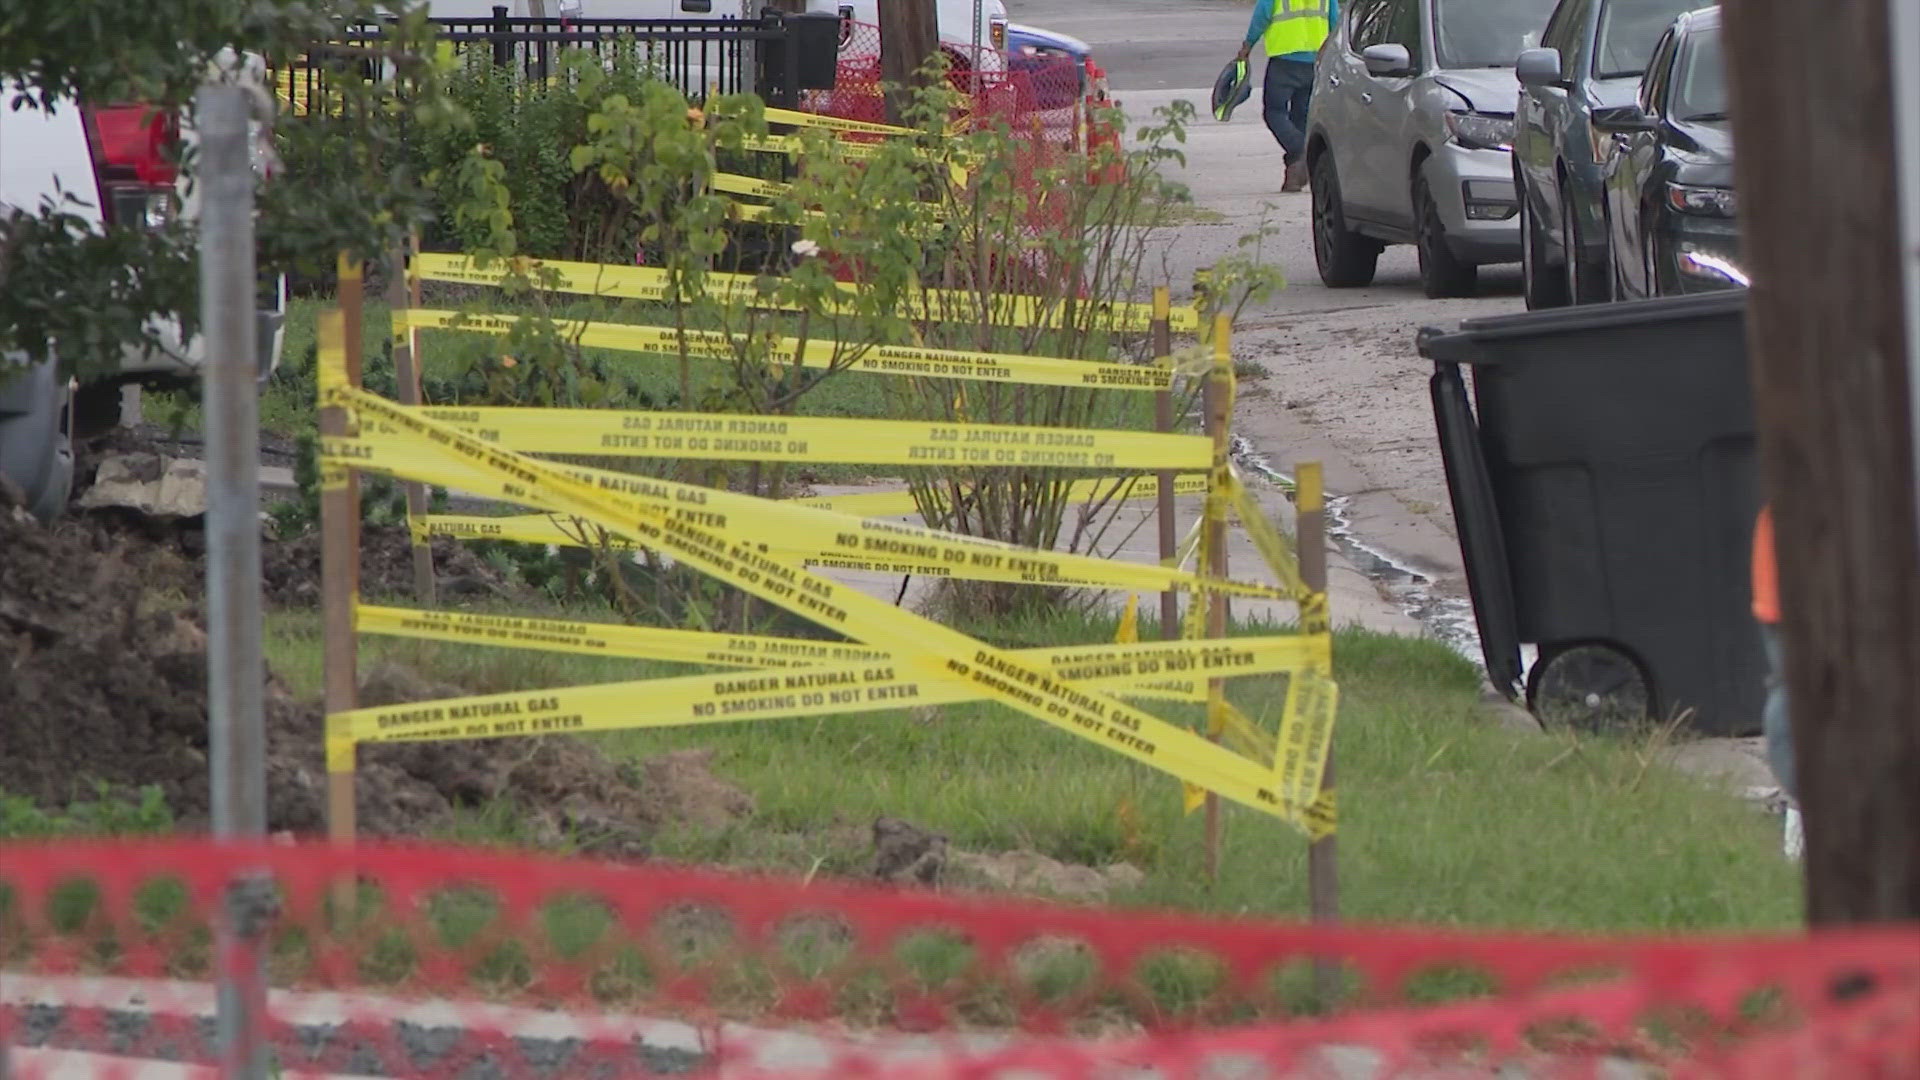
{"x": 118, "y": 164}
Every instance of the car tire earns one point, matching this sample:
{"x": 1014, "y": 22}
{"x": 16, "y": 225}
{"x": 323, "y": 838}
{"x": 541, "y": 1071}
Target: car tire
{"x": 1586, "y": 279}
{"x": 1345, "y": 259}
{"x": 1442, "y": 273}
{"x": 1541, "y": 284}
{"x": 36, "y": 439}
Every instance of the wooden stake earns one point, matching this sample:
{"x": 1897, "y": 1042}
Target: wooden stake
{"x": 340, "y": 554}
{"x": 1218, "y": 401}
{"x": 1323, "y": 867}
{"x": 1163, "y": 422}
{"x": 403, "y": 292}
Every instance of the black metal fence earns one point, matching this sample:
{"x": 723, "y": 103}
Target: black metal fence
{"x": 697, "y": 56}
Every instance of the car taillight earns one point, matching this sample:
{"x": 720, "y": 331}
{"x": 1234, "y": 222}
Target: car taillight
{"x": 135, "y": 162}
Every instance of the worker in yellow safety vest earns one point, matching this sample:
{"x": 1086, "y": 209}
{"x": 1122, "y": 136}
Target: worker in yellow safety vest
{"x": 1291, "y": 32}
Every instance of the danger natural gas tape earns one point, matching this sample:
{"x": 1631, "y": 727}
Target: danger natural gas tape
{"x": 906, "y": 360}
{"x": 833, "y": 123}
{"x": 820, "y": 536}
{"x": 817, "y": 439}
{"x": 550, "y": 529}
{"x": 928, "y": 652}
{"x": 651, "y": 283}
{"x": 793, "y": 146}
{"x": 1176, "y": 667}
{"x": 1106, "y": 489}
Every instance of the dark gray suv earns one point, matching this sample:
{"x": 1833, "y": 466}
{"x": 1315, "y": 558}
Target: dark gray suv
{"x": 1591, "y": 57}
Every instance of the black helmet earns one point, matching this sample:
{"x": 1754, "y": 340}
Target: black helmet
{"x": 1231, "y": 90}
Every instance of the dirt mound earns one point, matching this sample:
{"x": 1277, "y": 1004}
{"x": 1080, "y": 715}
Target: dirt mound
{"x": 291, "y": 568}
{"x": 104, "y": 654}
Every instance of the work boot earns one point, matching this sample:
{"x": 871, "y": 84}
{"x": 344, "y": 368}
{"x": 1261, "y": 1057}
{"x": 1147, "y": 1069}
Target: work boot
{"x": 1296, "y": 177}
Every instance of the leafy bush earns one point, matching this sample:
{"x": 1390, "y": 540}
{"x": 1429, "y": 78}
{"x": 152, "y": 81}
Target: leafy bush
{"x": 108, "y": 813}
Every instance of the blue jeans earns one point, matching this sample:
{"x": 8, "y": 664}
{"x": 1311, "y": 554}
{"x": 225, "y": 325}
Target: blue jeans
{"x": 1774, "y": 719}
{"x": 1284, "y": 99}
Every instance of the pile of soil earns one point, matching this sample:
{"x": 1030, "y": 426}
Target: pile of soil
{"x": 103, "y": 680}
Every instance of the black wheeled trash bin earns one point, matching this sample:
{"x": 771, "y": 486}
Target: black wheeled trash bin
{"x": 1604, "y": 489}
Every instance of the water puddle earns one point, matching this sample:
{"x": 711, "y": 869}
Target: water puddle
{"x": 1447, "y": 619}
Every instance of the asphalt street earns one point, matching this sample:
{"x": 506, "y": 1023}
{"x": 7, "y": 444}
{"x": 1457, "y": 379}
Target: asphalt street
{"x": 1156, "y": 52}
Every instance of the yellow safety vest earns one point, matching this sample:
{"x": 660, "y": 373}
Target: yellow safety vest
{"x": 1298, "y": 26}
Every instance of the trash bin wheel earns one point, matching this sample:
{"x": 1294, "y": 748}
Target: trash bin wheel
{"x": 1592, "y": 686}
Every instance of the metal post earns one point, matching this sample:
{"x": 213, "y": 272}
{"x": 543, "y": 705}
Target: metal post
{"x": 1163, "y": 422}
{"x": 403, "y": 292}
{"x": 502, "y": 43}
{"x": 979, "y": 10}
{"x": 236, "y": 672}
{"x": 1218, "y": 401}
{"x": 1323, "y": 867}
{"x": 1903, "y": 20}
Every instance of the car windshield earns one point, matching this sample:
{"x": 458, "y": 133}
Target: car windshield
{"x": 1629, "y": 29}
{"x": 1487, "y": 33}
{"x": 1700, "y": 90}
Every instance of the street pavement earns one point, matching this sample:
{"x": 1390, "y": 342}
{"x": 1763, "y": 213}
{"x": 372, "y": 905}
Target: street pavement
{"x": 1327, "y": 374}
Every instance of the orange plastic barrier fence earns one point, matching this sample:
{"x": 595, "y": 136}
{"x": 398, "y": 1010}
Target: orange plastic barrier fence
{"x": 442, "y": 962}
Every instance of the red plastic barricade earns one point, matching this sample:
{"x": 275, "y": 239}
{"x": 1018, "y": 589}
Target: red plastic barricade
{"x": 437, "y": 962}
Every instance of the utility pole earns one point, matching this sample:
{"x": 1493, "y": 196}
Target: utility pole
{"x": 236, "y": 672}
{"x": 1829, "y": 336}
{"x": 909, "y": 37}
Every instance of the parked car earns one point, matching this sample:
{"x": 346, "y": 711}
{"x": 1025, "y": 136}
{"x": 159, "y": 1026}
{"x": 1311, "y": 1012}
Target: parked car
{"x": 1056, "y": 63}
{"x": 1670, "y": 203}
{"x": 120, "y": 161}
{"x": 1409, "y": 134}
{"x": 1590, "y": 58}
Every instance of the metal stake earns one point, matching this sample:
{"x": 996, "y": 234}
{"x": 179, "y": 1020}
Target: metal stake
{"x": 236, "y": 673}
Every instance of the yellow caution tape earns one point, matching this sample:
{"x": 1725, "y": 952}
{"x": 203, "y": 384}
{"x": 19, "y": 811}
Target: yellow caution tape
{"x": 548, "y": 529}
{"x": 822, "y": 537}
{"x": 901, "y": 504}
{"x": 651, "y": 283}
{"x": 1171, "y": 669}
{"x": 909, "y": 360}
{"x": 1306, "y": 736}
{"x": 807, "y": 439}
{"x": 757, "y": 187}
{"x": 761, "y": 188}
{"x": 1266, "y": 538}
{"x": 929, "y": 652}
{"x": 796, "y": 118}
{"x": 793, "y": 146}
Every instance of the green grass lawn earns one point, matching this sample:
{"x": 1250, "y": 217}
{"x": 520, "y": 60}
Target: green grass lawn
{"x": 1446, "y": 819}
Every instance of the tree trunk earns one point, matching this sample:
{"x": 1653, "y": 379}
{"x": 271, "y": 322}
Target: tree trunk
{"x": 909, "y": 37}
{"x": 1812, "y": 99}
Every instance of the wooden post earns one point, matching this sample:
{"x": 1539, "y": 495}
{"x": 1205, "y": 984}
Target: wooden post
{"x": 1827, "y": 338}
{"x": 1323, "y": 866}
{"x": 403, "y": 292}
{"x": 340, "y": 550}
{"x": 1163, "y": 422}
{"x": 909, "y": 37}
{"x": 1218, "y": 402}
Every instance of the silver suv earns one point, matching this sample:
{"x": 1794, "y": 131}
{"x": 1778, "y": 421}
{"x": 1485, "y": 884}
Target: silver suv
{"x": 1410, "y": 137}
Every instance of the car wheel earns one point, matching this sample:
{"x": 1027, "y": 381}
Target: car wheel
{"x": 1442, "y": 273}
{"x": 1345, "y": 258}
{"x": 1585, "y": 277}
{"x": 1540, "y": 283}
